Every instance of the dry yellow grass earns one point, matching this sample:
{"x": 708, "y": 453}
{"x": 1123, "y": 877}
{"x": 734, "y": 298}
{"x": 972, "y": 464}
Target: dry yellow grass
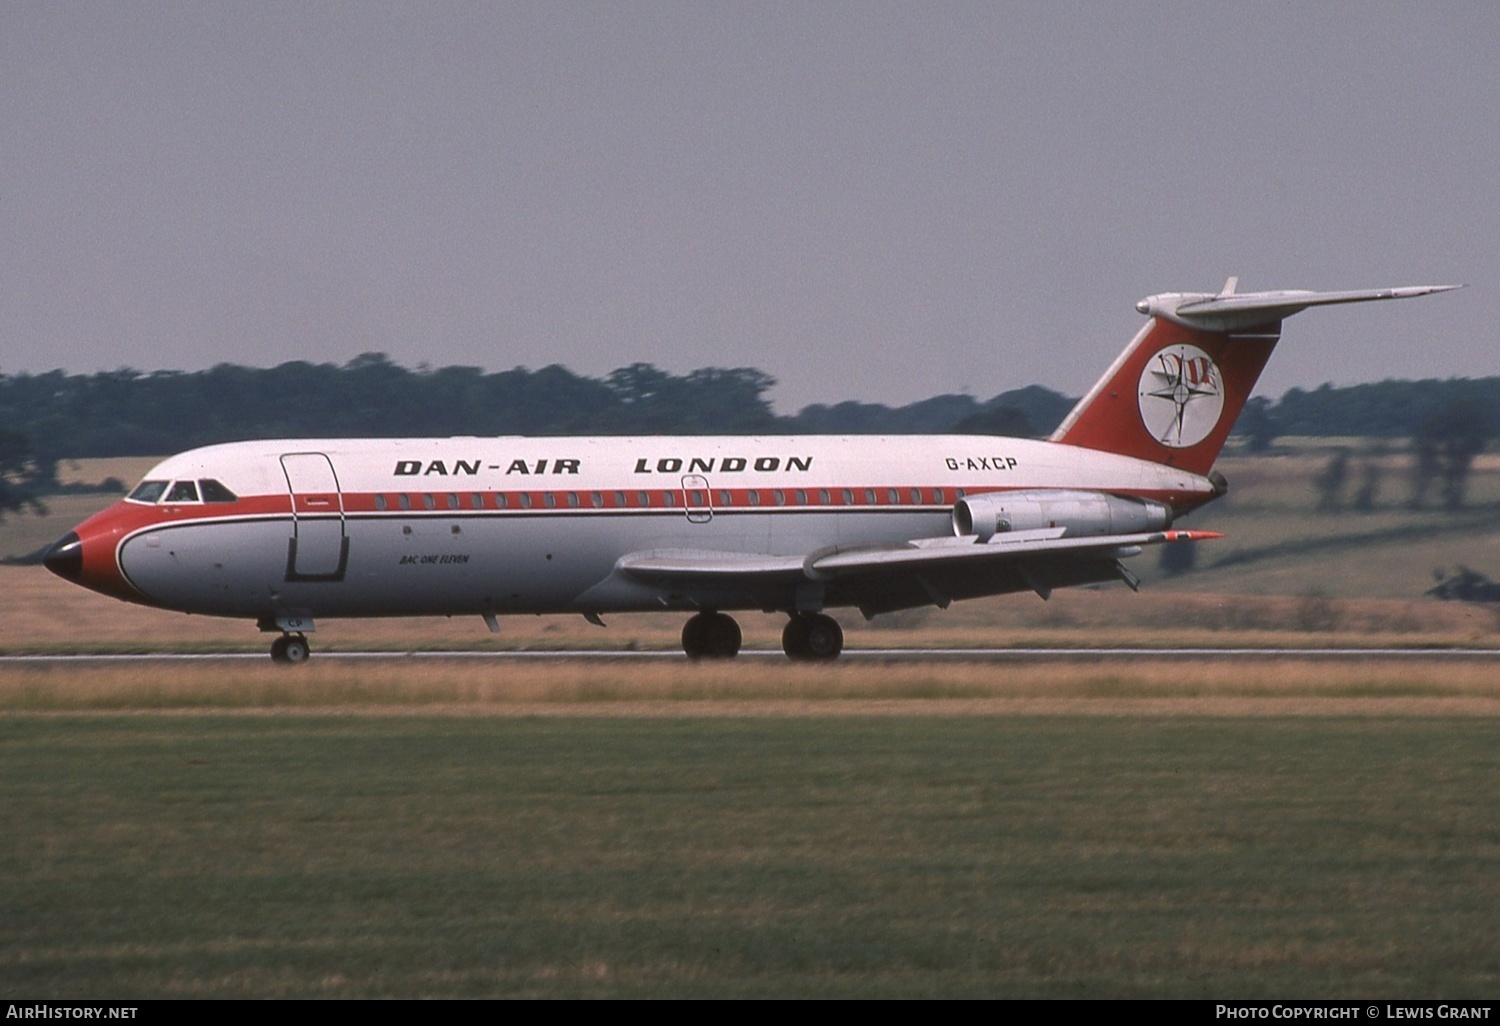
{"x": 1283, "y": 687}
{"x": 40, "y": 612}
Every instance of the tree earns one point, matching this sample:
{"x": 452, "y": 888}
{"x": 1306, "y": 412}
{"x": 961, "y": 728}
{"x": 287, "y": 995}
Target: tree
{"x": 709, "y": 400}
{"x": 22, "y": 475}
{"x": 1009, "y": 421}
{"x": 1178, "y": 558}
{"x": 1258, "y": 425}
{"x": 1445, "y": 445}
{"x": 1330, "y": 482}
{"x": 1369, "y": 486}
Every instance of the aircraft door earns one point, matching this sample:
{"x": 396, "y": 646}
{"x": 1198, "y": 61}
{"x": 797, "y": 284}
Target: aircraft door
{"x": 319, "y": 547}
{"x": 697, "y": 499}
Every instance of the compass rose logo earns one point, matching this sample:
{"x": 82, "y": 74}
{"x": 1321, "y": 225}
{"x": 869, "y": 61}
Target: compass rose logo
{"x": 1181, "y": 396}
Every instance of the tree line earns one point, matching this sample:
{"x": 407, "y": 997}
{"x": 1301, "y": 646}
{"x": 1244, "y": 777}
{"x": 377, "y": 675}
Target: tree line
{"x": 55, "y": 415}
{"x": 130, "y": 413}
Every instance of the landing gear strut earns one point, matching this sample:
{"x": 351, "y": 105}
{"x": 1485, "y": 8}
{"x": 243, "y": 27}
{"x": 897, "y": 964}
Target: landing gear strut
{"x": 290, "y": 649}
{"x": 711, "y": 636}
{"x": 812, "y": 637}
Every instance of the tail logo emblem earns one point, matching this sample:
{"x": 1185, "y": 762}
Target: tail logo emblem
{"x": 1181, "y": 396}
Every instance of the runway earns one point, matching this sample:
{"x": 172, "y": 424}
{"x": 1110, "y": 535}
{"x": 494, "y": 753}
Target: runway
{"x": 870, "y": 655}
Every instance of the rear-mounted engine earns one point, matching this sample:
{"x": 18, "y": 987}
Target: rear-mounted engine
{"x": 1081, "y": 513}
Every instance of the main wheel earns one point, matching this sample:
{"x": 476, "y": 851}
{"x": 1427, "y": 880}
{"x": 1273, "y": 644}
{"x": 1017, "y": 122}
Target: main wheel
{"x": 812, "y": 637}
{"x": 711, "y": 636}
{"x": 290, "y": 649}
{"x": 725, "y": 637}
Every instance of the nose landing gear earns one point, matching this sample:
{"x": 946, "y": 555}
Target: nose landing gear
{"x": 290, "y": 649}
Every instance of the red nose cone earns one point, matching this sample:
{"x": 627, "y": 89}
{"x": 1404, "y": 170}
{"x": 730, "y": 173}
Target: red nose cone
{"x": 86, "y": 554}
{"x": 65, "y": 558}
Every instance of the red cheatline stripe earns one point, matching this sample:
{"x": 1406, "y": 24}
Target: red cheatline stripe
{"x": 544, "y": 501}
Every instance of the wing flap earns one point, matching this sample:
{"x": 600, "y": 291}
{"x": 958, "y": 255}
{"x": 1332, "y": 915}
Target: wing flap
{"x": 703, "y": 563}
{"x": 944, "y": 551}
{"x": 679, "y": 564}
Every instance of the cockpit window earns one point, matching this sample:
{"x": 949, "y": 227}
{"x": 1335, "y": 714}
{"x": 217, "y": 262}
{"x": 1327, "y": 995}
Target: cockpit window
{"x": 183, "y": 491}
{"x": 215, "y": 492}
{"x": 148, "y": 491}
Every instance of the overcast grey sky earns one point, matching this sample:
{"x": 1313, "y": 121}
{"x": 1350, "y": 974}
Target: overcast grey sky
{"x": 868, "y": 200}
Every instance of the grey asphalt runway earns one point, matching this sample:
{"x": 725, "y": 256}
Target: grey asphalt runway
{"x": 885, "y": 655}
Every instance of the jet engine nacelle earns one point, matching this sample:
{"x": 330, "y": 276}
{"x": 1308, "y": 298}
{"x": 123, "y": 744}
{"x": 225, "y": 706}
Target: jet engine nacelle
{"x": 1082, "y": 513}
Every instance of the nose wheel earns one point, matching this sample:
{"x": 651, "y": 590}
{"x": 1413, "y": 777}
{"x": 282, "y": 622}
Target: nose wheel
{"x": 290, "y": 649}
{"x": 812, "y": 638}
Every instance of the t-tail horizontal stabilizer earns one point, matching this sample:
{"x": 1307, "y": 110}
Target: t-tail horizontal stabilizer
{"x": 1173, "y": 395}
{"x": 1230, "y": 312}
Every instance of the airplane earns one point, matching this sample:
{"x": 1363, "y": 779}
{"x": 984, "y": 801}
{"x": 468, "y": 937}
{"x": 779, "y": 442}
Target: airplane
{"x": 289, "y": 532}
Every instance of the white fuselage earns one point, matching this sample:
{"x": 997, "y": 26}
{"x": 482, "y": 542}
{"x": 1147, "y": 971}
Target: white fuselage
{"x": 388, "y": 527}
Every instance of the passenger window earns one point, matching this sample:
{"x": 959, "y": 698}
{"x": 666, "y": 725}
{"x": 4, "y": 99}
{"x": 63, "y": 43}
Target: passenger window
{"x": 452, "y": 501}
{"x": 870, "y": 496}
{"x": 619, "y": 498}
{"x": 754, "y": 497}
{"x": 573, "y": 499}
{"x": 725, "y": 499}
{"x": 404, "y": 501}
{"x": 642, "y": 499}
{"x": 148, "y": 491}
{"x": 892, "y": 497}
{"x": 597, "y": 499}
{"x": 215, "y": 492}
{"x": 823, "y": 496}
{"x": 500, "y": 501}
{"x": 780, "y": 497}
{"x": 549, "y": 499}
{"x": 916, "y": 496}
{"x": 848, "y": 497}
{"x": 476, "y": 500}
{"x": 525, "y": 500}
{"x": 380, "y": 502}
{"x": 429, "y": 502}
{"x": 183, "y": 491}
{"x": 801, "y": 497}
{"x": 668, "y": 499}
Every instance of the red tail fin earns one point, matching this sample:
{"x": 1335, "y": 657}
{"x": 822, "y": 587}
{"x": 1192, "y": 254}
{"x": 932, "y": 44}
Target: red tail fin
{"x": 1173, "y": 395}
{"x": 1175, "y": 392}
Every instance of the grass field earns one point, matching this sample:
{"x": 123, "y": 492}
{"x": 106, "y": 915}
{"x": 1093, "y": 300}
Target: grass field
{"x": 1203, "y": 829}
{"x": 343, "y": 854}
{"x": 1279, "y": 687}
{"x": 1218, "y": 829}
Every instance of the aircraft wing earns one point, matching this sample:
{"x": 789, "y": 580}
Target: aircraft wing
{"x": 873, "y": 576}
{"x": 681, "y": 563}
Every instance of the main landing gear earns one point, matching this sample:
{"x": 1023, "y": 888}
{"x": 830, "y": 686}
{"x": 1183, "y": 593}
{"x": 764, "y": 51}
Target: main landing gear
{"x": 711, "y": 636}
{"x": 808, "y": 637}
{"x": 290, "y": 649}
{"x": 812, "y": 638}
